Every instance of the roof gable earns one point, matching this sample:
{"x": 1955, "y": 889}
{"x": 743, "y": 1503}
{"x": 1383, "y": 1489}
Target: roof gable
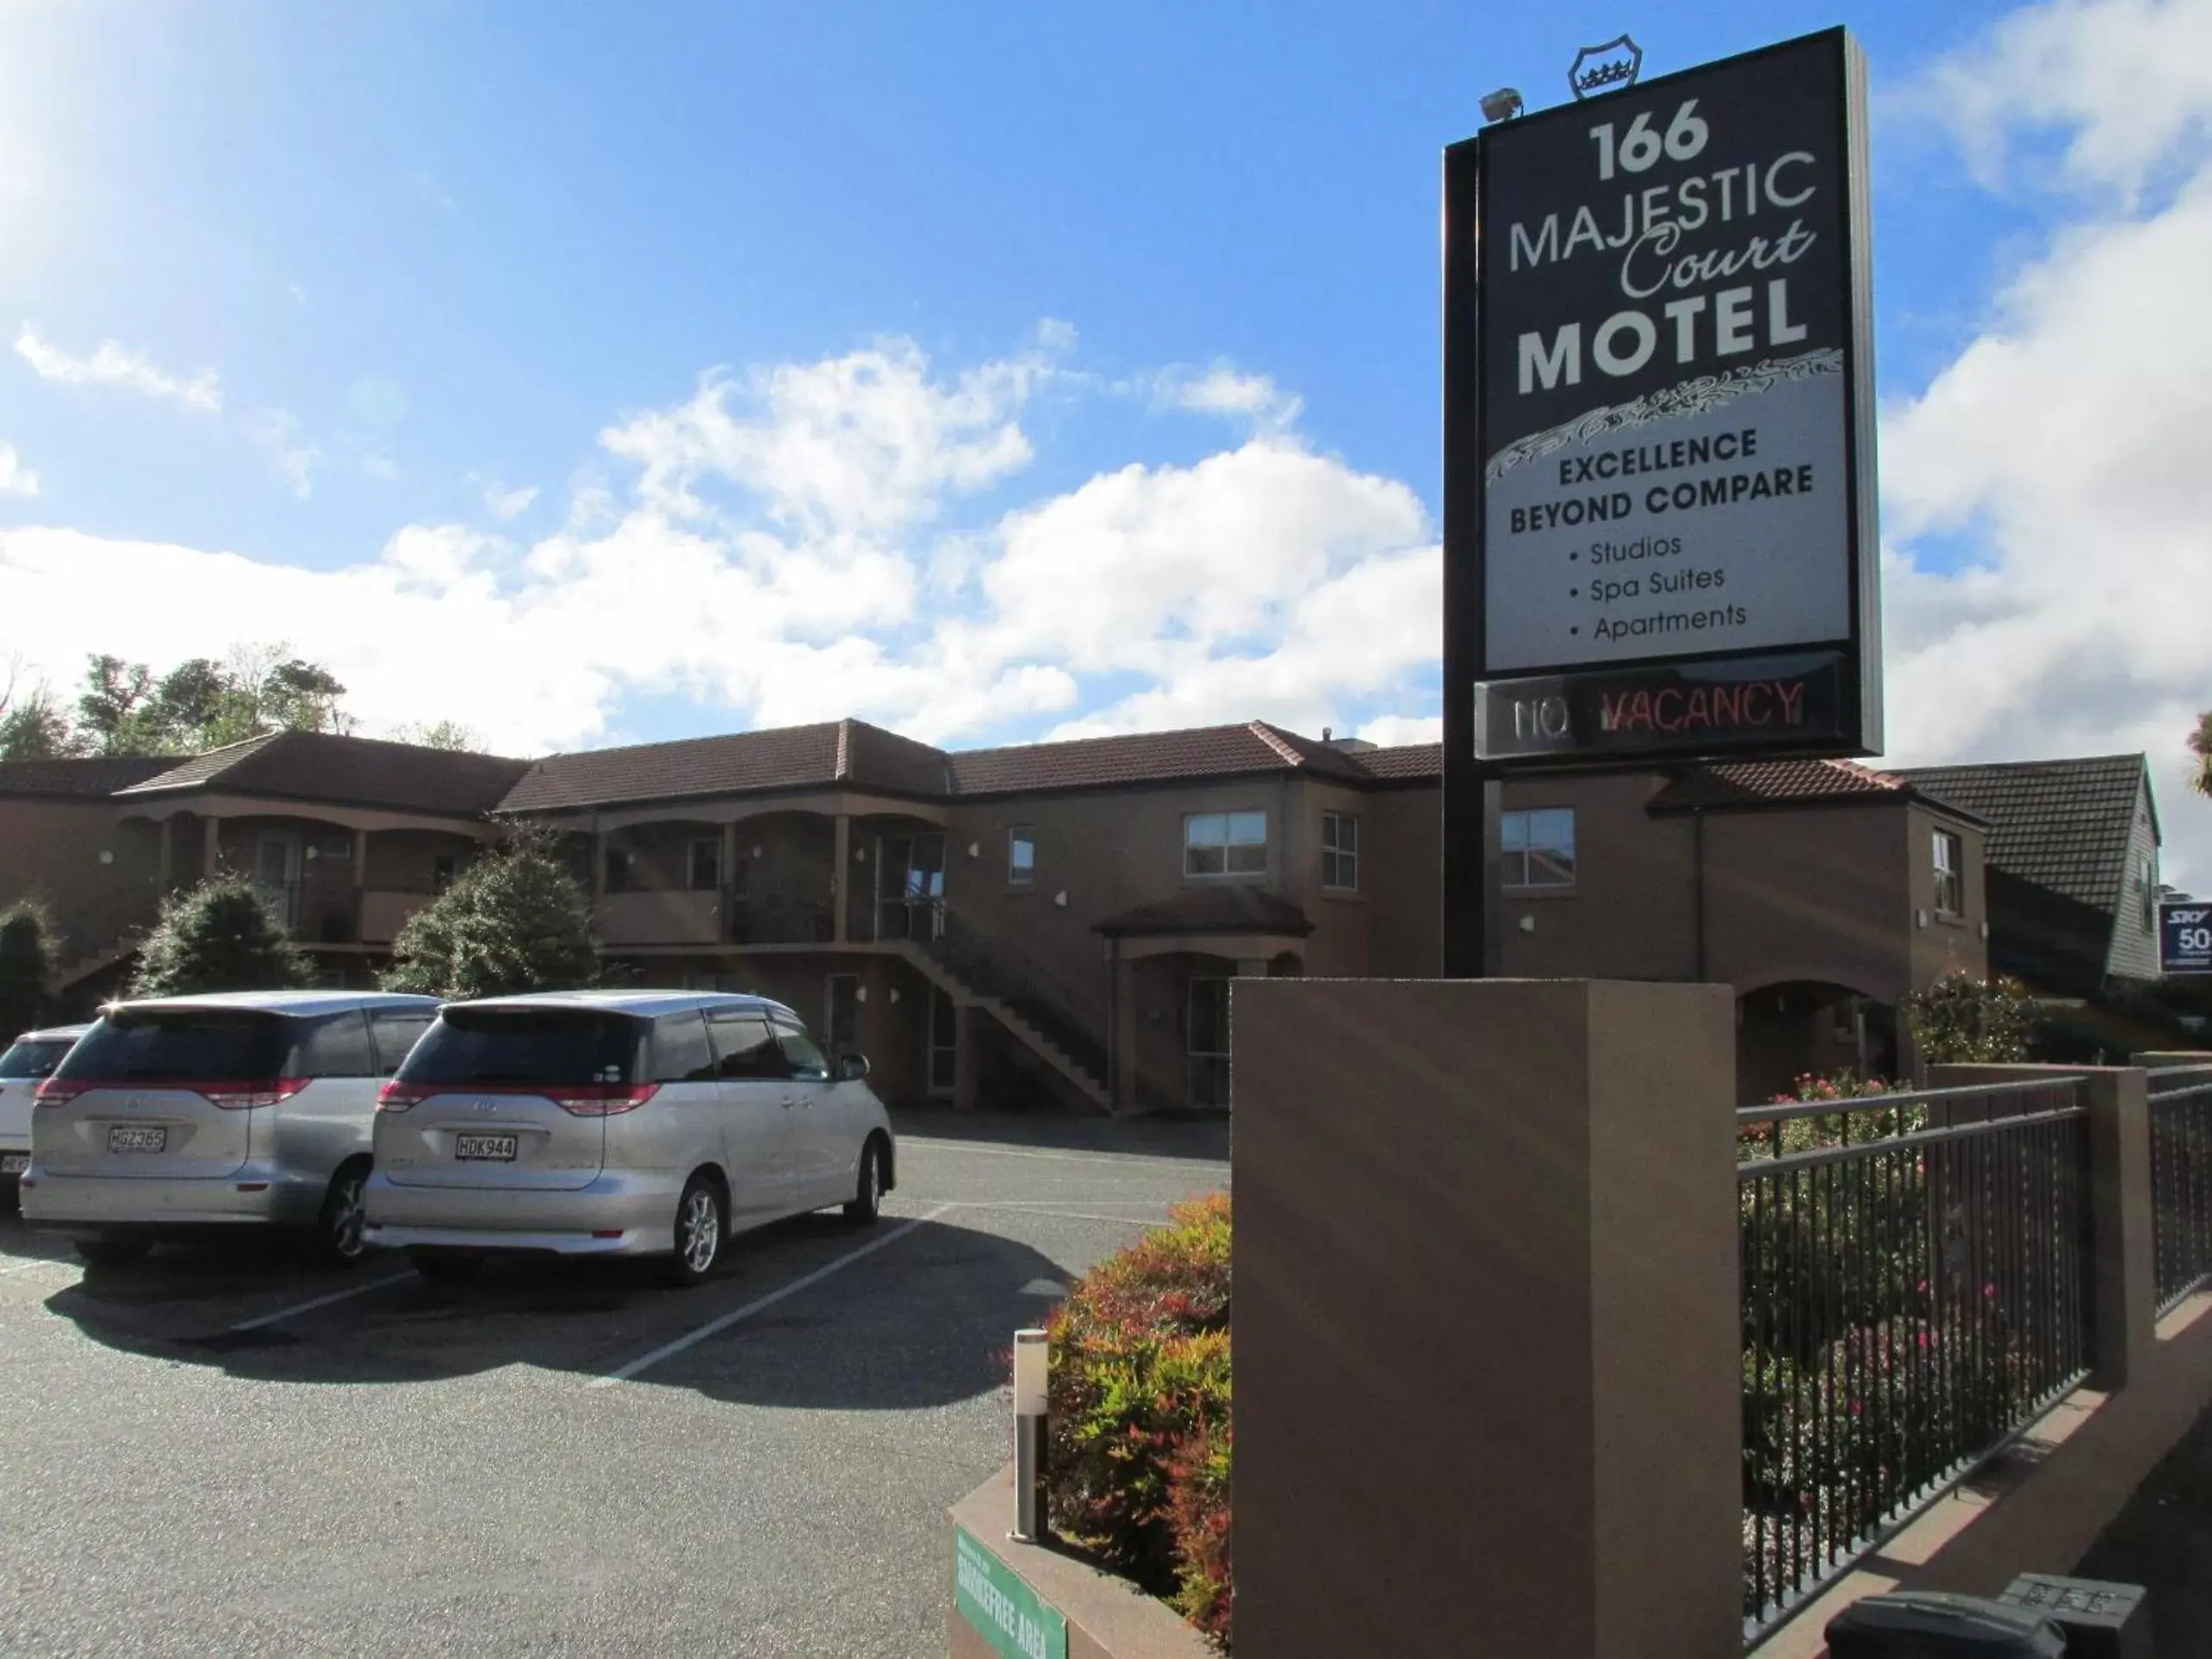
{"x": 319, "y": 765}
{"x": 2062, "y": 824}
{"x": 1776, "y": 783}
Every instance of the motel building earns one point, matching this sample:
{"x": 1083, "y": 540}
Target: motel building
{"x": 1055, "y": 926}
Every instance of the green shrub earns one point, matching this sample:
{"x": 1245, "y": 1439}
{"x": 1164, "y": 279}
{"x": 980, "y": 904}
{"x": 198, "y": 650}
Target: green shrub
{"x": 1140, "y": 1449}
{"x": 1963, "y": 1020}
{"x": 26, "y": 969}
{"x": 516, "y": 921}
{"x": 218, "y": 936}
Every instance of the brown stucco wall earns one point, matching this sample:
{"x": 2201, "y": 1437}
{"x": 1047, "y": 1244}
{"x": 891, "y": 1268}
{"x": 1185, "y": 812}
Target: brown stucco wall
{"x": 50, "y": 852}
{"x": 1403, "y": 876}
{"x": 1628, "y": 915}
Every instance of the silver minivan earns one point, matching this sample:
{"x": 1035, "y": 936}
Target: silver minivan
{"x": 618, "y": 1123}
{"x": 252, "y": 1107}
{"x": 29, "y": 1061}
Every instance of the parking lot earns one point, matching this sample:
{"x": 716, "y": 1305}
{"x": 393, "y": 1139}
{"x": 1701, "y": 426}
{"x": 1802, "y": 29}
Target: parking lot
{"x": 219, "y": 1451}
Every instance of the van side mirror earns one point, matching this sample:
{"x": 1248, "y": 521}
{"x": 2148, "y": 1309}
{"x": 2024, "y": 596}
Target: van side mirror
{"x": 852, "y": 1068}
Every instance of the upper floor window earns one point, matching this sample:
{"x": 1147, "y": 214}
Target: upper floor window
{"x": 1538, "y": 847}
{"x": 1339, "y": 852}
{"x": 1950, "y": 892}
{"x": 1225, "y": 843}
{"x": 2146, "y": 885}
{"x": 1020, "y": 855}
{"x": 704, "y": 866}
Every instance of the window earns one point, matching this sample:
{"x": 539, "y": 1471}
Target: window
{"x": 2146, "y": 886}
{"x": 1950, "y": 895}
{"x": 396, "y": 1030}
{"x": 1225, "y": 843}
{"x": 32, "y": 1059}
{"x": 512, "y": 1044}
{"x": 181, "y": 1045}
{"x": 1339, "y": 853}
{"x": 704, "y": 866}
{"x": 680, "y": 1050}
{"x": 1020, "y": 856}
{"x": 1538, "y": 847}
{"x": 335, "y": 1047}
{"x": 806, "y": 1060}
{"x": 749, "y": 1052}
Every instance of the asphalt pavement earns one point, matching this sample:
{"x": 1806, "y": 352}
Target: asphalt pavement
{"x": 222, "y": 1450}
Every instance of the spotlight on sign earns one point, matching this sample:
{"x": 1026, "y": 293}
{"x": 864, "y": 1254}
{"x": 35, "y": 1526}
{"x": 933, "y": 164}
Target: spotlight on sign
{"x": 1501, "y": 105}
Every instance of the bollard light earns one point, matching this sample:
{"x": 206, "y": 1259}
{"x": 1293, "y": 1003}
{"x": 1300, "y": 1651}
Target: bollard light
{"x": 1031, "y": 1519}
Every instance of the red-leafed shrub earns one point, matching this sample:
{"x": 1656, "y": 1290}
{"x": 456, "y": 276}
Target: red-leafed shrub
{"x": 1140, "y": 1455}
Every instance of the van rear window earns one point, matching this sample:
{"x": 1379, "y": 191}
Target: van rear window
{"x": 32, "y": 1060}
{"x": 195, "y": 1045}
{"x": 470, "y": 1046}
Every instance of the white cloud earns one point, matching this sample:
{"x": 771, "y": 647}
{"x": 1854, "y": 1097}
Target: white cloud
{"x": 375, "y": 464}
{"x": 1223, "y": 390}
{"x": 16, "y": 478}
{"x": 2062, "y": 449}
{"x": 112, "y": 364}
{"x": 504, "y": 503}
{"x": 275, "y": 433}
{"x": 1390, "y": 728}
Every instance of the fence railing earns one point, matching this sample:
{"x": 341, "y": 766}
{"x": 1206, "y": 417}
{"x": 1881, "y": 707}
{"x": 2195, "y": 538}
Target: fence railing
{"x": 2181, "y": 1179}
{"x": 1915, "y": 1272}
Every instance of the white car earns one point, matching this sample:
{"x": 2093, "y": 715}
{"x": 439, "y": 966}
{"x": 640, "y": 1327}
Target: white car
{"x": 29, "y": 1058}
{"x": 618, "y": 1123}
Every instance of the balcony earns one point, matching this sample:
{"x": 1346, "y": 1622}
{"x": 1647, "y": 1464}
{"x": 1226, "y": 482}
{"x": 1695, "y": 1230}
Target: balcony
{"x": 660, "y": 916}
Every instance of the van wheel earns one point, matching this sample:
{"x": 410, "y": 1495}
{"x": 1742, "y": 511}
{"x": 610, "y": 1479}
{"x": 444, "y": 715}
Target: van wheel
{"x": 444, "y": 1267}
{"x": 111, "y": 1252}
{"x": 701, "y": 1226}
{"x": 866, "y": 1202}
{"x": 341, "y": 1235}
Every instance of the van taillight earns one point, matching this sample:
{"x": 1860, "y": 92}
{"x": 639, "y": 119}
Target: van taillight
{"x": 59, "y": 1091}
{"x": 397, "y": 1096}
{"x": 245, "y": 1097}
{"x": 600, "y": 1099}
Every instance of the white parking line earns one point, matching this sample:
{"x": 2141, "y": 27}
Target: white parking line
{"x": 645, "y": 1361}
{"x": 282, "y": 1314}
{"x": 910, "y": 1143}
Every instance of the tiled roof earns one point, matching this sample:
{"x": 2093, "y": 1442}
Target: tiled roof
{"x": 92, "y": 777}
{"x": 1405, "y": 760}
{"x": 784, "y": 758}
{"x": 2062, "y": 824}
{"x": 1228, "y": 908}
{"x": 314, "y": 766}
{"x": 1776, "y": 783}
{"x": 1145, "y": 757}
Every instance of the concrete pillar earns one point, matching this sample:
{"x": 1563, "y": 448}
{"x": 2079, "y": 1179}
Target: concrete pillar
{"x": 1489, "y": 1391}
{"x": 2123, "y": 1292}
{"x": 967, "y": 1056}
{"x": 210, "y": 845}
{"x": 841, "y": 876}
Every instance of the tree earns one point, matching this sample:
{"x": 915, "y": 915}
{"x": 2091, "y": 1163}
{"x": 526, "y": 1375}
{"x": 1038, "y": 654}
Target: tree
{"x": 515, "y": 921}
{"x": 2200, "y": 745}
{"x": 203, "y": 704}
{"x": 439, "y": 734}
{"x": 34, "y": 728}
{"x": 218, "y": 936}
{"x": 111, "y": 710}
{"x": 1963, "y": 1020}
{"x": 26, "y": 969}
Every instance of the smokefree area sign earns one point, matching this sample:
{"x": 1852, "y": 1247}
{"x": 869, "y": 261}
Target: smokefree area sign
{"x": 1659, "y": 535}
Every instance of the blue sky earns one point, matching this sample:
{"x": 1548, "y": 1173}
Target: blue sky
{"x": 1078, "y": 363}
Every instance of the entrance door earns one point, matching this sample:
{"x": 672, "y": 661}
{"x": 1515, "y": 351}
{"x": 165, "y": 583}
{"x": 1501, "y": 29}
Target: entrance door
{"x": 842, "y": 1025}
{"x": 911, "y": 887}
{"x": 944, "y": 1054}
{"x": 1207, "y": 1043}
{"x": 276, "y": 874}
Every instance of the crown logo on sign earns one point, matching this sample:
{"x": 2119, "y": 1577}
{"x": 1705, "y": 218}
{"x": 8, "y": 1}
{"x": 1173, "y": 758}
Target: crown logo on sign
{"x": 1617, "y": 63}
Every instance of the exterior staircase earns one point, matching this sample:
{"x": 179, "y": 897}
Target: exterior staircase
{"x": 75, "y": 972}
{"x": 1022, "y": 996}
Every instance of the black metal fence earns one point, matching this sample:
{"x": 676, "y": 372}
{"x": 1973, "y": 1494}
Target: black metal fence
{"x": 2181, "y": 1179}
{"x": 1916, "y": 1289}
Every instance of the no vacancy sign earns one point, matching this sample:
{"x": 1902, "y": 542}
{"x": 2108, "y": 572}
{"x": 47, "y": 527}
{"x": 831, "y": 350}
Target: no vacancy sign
{"x": 1659, "y": 535}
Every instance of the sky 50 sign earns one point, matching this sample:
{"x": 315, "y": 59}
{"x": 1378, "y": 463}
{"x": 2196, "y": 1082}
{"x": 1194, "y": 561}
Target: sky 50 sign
{"x": 2185, "y": 937}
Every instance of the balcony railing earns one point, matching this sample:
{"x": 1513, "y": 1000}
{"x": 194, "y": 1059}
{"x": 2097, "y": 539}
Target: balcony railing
{"x": 2181, "y": 1179}
{"x": 1916, "y": 1291}
{"x": 776, "y": 919}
